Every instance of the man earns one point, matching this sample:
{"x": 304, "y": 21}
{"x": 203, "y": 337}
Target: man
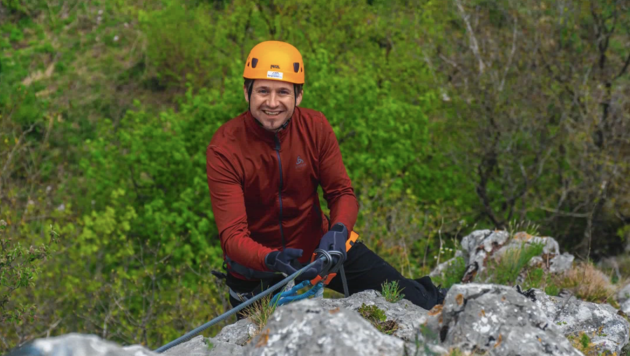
{"x": 264, "y": 168}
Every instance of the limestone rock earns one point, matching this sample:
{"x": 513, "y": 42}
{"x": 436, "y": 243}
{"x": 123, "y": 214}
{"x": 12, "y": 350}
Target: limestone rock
{"x": 500, "y": 321}
{"x": 74, "y": 344}
{"x": 478, "y": 246}
{"x": 561, "y": 263}
{"x": 606, "y": 330}
{"x": 308, "y": 328}
{"x": 201, "y": 346}
{"x": 407, "y": 315}
{"x": 623, "y": 294}
{"x": 481, "y": 245}
{"x": 238, "y": 333}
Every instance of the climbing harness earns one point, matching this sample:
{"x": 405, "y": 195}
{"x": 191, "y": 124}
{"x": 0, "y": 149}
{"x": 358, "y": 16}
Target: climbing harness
{"x": 329, "y": 271}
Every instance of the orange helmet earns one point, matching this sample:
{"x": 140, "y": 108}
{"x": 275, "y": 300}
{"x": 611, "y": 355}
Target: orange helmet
{"x": 275, "y": 60}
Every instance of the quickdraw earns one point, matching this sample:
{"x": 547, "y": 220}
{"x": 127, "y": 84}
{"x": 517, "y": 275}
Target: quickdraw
{"x": 329, "y": 271}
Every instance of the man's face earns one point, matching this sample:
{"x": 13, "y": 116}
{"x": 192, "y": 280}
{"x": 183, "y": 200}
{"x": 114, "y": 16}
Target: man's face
{"x": 272, "y": 102}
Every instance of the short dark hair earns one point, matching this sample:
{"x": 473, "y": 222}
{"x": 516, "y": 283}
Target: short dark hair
{"x": 297, "y": 87}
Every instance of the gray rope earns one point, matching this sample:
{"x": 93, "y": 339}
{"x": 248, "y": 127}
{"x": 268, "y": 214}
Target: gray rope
{"x": 238, "y": 308}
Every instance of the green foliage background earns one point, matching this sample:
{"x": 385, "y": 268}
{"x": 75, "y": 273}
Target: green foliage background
{"x": 106, "y": 109}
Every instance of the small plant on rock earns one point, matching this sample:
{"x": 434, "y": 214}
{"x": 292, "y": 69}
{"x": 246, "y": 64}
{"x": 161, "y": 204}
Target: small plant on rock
{"x": 392, "y": 292}
{"x": 378, "y": 318}
{"x": 581, "y": 342}
{"x": 260, "y": 312}
{"x": 525, "y": 226}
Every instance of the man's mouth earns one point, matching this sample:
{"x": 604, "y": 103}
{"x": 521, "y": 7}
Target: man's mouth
{"x": 272, "y": 113}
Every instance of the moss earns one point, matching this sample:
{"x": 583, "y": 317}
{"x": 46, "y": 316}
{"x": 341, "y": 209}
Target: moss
{"x": 377, "y": 317}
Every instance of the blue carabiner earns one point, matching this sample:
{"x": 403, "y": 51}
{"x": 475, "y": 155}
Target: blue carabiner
{"x": 291, "y": 295}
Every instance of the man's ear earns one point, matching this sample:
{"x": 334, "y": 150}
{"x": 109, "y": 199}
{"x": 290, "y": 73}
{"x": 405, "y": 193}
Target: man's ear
{"x": 245, "y": 93}
{"x": 298, "y": 100}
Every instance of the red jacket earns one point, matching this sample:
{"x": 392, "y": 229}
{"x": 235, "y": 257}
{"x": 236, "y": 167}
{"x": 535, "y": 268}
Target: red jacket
{"x": 263, "y": 186}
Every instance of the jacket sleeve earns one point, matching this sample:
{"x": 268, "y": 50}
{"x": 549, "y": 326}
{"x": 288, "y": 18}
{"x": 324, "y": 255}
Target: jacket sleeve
{"x": 228, "y": 207}
{"x": 334, "y": 179}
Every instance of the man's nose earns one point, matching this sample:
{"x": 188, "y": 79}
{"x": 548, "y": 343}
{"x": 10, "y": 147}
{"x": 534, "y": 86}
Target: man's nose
{"x": 273, "y": 100}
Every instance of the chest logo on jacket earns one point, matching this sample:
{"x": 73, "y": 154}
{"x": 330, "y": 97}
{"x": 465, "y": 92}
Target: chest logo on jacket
{"x": 299, "y": 164}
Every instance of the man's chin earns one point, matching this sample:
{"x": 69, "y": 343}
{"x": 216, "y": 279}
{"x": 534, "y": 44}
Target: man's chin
{"x": 273, "y": 125}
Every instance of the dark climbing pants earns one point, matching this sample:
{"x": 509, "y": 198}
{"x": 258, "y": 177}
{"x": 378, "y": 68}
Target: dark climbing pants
{"x": 364, "y": 270}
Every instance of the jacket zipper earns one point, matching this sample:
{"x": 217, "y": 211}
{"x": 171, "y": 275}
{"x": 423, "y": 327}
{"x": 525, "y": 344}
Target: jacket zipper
{"x": 280, "y": 189}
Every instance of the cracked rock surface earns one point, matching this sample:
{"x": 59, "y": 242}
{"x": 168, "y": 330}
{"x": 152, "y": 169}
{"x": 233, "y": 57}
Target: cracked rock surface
{"x": 74, "y": 344}
{"x": 500, "y": 321}
{"x": 308, "y": 328}
{"x": 606, "y": 329}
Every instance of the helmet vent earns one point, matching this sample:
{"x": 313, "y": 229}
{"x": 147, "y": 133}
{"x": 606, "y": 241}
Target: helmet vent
{"x": 248, "y": 64}
{"x": 296, "y": 67}
{"x": 254, "y": 62}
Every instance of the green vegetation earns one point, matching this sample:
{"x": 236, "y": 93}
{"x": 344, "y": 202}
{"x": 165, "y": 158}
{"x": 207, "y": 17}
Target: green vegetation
{"x": 377, "y": 317}
{"x": 260, "y": 312}
{"x": 506, "y": 268}
{"x": 106, "y": 108}
{"x": 392, "y": 292}
{"x": 453, "y": 274}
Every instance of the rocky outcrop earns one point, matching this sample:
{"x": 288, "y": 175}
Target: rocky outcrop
{"x": 479, "y": 247}
{"x": 500, "y": 321}
{"x": 310, "y": 328}
{"x": 475, "y": 318}
{"x": 79, "y": 345}
{"x": 604, "y": 328}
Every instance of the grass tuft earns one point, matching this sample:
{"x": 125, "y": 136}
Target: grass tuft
{"x": 587, "y": 283}
{"x": 260, "y": 312}
{"x": 505, "y": 269}
{"x": 391, "y": 291}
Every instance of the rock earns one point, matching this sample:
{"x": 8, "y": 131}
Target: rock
{"x": 498, "y": 320}
{"x": 478, "y": 245}
{"x": 407, "y": 315}
{"x": 606, "y": 330}
{"x": 623, "y": 294}
{"x": 74, "y": 344}
{"x": 201, "y": 346}
{"x": 483, "y": 244}
{"x": 561, "y": 263}
{"x": 625, "y": 307}
{"x": 238, "y": 333}
{"x": 308, "y": 328}
{"x": 441, "y": 268}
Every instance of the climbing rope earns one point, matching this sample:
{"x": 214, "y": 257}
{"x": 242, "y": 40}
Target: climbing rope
{"x": 253, "y": 300}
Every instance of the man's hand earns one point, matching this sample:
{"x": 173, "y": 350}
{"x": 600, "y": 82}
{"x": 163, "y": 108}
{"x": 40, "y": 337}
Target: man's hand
{"x": 335, "y": 240}
{"x": 283, "y": 261}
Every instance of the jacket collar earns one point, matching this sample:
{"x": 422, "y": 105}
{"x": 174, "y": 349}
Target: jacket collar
{"x": 268, "y": 136}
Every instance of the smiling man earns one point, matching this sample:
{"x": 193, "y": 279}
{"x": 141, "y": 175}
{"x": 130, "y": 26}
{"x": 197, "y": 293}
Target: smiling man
{"x": 264, "y": 168}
